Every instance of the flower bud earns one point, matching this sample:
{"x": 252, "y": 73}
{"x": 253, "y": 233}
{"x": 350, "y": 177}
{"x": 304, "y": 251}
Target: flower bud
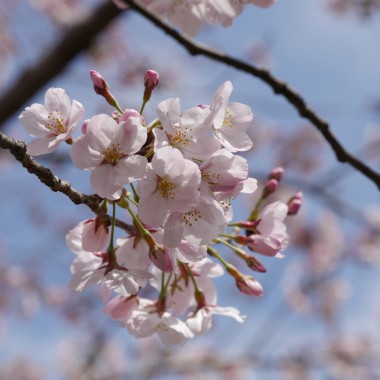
{"x": 270, "y": 187}
{"x": 276, "y": 173}
{"x": 248, "y": 285}
{"x": 255, "y": 264}
{"x": 100, "y": 85}
{"x": 295, "y": 203}
{"x": 101, "y": 88}
{"x": 160, "y": 258}
{"x": 151, "y": 80}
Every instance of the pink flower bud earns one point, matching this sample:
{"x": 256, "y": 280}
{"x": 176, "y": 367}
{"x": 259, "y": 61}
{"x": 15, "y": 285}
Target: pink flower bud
{"x": 101, "y": 88}
{"x": 270, "y": 187}
{"x": 248, "y": 285}
{"x": 276, "y": 173}
{"x": 255, "y": 264}
{"x": 100, "y": 85}
{"x": 161, "y": 258}
{"x": 151, "y": 80}
{"x": 295, "y": 203}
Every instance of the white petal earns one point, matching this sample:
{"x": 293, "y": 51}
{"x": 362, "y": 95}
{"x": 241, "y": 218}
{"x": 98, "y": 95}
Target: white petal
{"x": 57, "y": 100}
{"x": 42, "y": 145}
{"x": 34, "y": 119}
{"x": 103, "y": 181}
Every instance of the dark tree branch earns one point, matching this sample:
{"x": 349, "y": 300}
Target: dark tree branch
{"x": 76, "y": 40}
{"x": 18, "y": 150}
{"x": 279, "y": 87}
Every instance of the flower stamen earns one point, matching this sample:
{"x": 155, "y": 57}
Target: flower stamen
{"x": 166, "y": 188}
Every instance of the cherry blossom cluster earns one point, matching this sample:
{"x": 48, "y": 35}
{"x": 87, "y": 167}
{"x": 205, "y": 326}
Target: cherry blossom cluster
{"x": 190, "y": 15}
{"x": 175, "y": 177}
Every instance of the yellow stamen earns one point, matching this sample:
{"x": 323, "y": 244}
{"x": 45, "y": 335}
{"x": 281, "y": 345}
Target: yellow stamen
{"x": 166, "y": 188}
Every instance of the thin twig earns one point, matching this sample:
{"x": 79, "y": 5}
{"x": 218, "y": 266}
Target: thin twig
{"x": 279, "y": 87}
{"x": 18, "y": 150}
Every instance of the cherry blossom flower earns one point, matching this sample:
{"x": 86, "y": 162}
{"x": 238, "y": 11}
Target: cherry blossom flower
{"x": 199, "y": 225}
{"x": 107, "y": 148}
{"x": 90, "y": 268}
{"x": 186, "y": 132}
{"x": 145, "y": 321}
{"x": 272, "y": 236}
{"x": 51, "y": 124}
{"x": 226, "y": 173}
{"x": 229, "y": 121}
{"x": 171, "y": 184}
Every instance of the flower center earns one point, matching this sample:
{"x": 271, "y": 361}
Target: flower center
{"x": 56, "y": 123}
{"x": 112, "y": 154}
{"x": 228, "y": 120}
{"x": 211, "y": 177}
{"x": 179, "y": 138}
{"x": 166, "y": 188}
{"x": 191, "y": 216}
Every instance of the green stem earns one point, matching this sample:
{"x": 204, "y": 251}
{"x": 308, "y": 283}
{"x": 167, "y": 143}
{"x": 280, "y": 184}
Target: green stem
{"x": 135, "y": 195}
{"x": 164, "y": 287}
{"x": 153, "y": 124}
{"x": 147, "y": 236}
{"x": 162, "y": 283}
{"x": 117, "y": 106}
{"x": 132, "y": 200}
{"x": 110, "y": 246}
{"x": 235, "y": 249}
{"x": 142, "y": 107}
{"x": 229, "y": 236}
{"x": 197, "y": 290}
{"x": 112, "y": 260}
{"x": 255, "y": 213}
{"x": 213, "y": 252}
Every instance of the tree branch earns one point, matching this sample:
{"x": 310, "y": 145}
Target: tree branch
{"x": 18, "y": 150}
{"x": 76, "y": 39}
{"x": 279, "y": 87}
